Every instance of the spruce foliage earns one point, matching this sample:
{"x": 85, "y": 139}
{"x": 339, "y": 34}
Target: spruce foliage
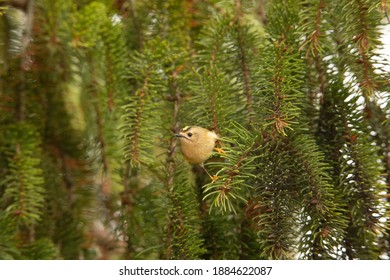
{"x": 92, "y": 92}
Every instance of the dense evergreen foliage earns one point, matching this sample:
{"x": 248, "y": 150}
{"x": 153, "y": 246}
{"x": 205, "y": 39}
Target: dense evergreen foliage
{"x": 92, "y": 92}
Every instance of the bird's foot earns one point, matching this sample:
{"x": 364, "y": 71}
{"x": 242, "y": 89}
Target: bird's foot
{"x": 220, "y": 150}
{"x": 214, "y": 178}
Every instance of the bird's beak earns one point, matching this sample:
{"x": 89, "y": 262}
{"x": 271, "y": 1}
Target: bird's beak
{"x": 179, "y": 135}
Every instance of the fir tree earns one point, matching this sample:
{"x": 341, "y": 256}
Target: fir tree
{"x": 92, "y": 92}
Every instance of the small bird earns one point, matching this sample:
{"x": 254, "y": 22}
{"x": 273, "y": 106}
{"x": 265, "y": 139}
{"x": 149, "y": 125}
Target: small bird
{"x": 197, "y": 144}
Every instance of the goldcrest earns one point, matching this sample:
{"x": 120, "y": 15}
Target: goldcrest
{"x": 197, "y": 143}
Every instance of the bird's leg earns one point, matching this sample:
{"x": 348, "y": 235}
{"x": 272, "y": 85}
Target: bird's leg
{"x": 213, "y": 177}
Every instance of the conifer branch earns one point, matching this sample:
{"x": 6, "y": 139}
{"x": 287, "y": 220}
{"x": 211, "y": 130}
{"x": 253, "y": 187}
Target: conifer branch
{"x": 175, "y": 97}
{"x": 98, "y": 118}
{"x": 231, "y": 182}
{"x": 106, "y": 185}
{"x": 244, "y": 63}
{"x": 134, "y": 149}
{"x": 363, "y": 44}
{"x": 280, "y": 190}
{"x": 23, "y": 183}
{"x": 136, "y": 23}
{"x": 316, "y": 48}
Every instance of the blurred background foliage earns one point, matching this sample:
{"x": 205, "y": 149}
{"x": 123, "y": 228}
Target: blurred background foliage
{"x": 91, "y": 93}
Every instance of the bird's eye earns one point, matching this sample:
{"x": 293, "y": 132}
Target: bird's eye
{"x": 189, "y": 134}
